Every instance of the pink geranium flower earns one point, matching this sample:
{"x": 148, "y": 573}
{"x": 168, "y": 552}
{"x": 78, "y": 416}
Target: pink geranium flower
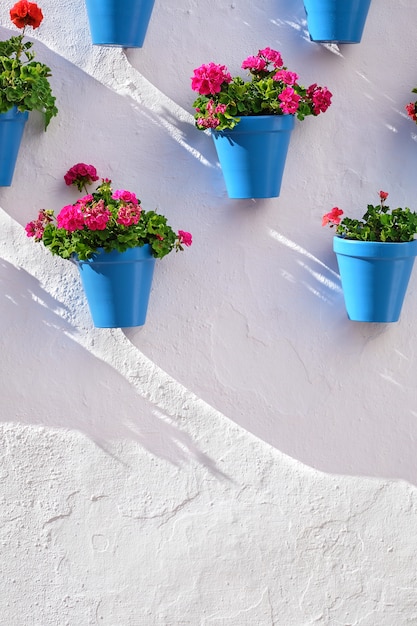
{"x": 320, "y": 97}
{"x": 289, "y": 78}
{"x": 254, "y": 63}
{"x": 81, "y": 175}
{"x": 96, "y": 215}
{"x": 36, "y": 228}
{"x": 273, "y": 56}
{"x": 128, "y": 215}
{"x": 208, "y": 79}
{"x": 125, "y": 196}
{"x": 71, "y": 218}
{"x": 290, "y": 100}
{"x": 185, "y": 238}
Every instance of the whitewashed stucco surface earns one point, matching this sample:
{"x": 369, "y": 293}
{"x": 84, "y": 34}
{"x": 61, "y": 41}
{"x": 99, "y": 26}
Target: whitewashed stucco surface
{"x": 247, "y": 458}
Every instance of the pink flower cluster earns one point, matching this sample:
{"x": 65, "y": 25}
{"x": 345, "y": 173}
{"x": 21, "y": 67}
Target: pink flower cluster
{"x": 185, "y": 238}
{"x": 96, "y": 215}
{"x": 81, "y": 175}
{"x": 320, "y": 97}
{"x": 209, "y": 78}
{"x": 411, "y": 111}
{"x": 290, "y": 100}
{"x": 211, "y": 121}
{"x": 37, "y": 227}
{"x": 260, "y": 62}
{"x": 289, "y": 78}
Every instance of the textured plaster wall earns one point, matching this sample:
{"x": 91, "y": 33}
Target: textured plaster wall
{"x": 248, "y": 457}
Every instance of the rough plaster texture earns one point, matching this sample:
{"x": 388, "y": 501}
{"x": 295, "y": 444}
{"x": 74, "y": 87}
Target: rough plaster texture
{"x": 247, "y": 458}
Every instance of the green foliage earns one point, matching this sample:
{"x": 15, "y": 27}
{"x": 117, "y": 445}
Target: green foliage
{"x": 72, "y": 233}
{"x": 151, "y": 229}
{"x": 258, "y": 97}
{"x": 24, "y": 83}
{"x": 380, "y": 224}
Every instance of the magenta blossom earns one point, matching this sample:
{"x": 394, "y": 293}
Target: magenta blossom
{"x": 128, "y": 215}
{"x": 290, "y": 101}
{"x": 81, "y": 175}
{"x": 320, "y": 97}
{"x": 85, "y": 199}
{"x": 36, "y": 227}
{"x": 272, "y": 56}
{"x": 185, "y": 238}
{"x": 289, "y": 78}
{"x": 208, "y": 122}
{"x": 257, "y": 64}
{"x": 125, "y": 196}
{"x": 96, "y": 215}
{"x": 209, "y": 78}
{"x": 70, "y": 218}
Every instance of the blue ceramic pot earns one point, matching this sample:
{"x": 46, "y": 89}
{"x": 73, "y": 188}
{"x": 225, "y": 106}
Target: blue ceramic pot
{"x": 374, "y": 277}
{"x": 337, "y": 21}
{"x": 12, "y": 125}
{"x": 252, "y": 155}
{"x": 119, "y": 22}
{"x": 117, "y": 286}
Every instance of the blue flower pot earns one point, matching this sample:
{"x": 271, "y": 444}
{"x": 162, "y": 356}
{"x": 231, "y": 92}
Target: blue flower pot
{"x": 374, "y": 277}
{"x": 119, "y": 22}
{"x": 12, "y": 125}
{"x": 337, "y": 21}
{"x": 252, "y": 155}
{"x": 117, "y": 286}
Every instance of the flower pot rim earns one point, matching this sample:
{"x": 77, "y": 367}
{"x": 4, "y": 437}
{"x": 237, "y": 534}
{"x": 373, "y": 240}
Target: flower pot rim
{"x": 14, "y": 113}
{"x": 141, "y": 252}
{"x": 286, "y": 121}
{"x": 354, "y": 247}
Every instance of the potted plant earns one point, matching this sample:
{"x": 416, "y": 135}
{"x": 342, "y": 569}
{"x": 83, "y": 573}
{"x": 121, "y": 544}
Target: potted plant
{"x": 251, "y": 121}
{"x": 375, "y": 255}
{"x": 336, "y": 21}
{"x": 119, "y": 22}
{"x": 114, "y": 243}
{"x": 24, "y": 87}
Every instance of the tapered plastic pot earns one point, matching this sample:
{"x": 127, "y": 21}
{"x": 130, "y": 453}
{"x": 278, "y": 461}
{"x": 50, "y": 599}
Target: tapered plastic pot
{"x": 337, "y": 21}
{"x": 374, "y": 277}
{"x": 119, "y": 22}
{"x": 12, "y": 125}
{"x": 117, "y": 286}
{"x": 253, "y": 154}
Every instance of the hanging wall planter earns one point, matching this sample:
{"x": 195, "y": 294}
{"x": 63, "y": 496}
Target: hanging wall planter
{"x": 12, "y": 125}
{"x": 252, "y": 155}
{"x": 251, "y": 122}
{"x": 117, "y": 286}
{"x": 374, "y": 277}
{"x": 375, "y": 255}
{"x": 119, "y": 22}
{"x": 336, "y": 21}
{"x": 25, "y": 87}
{"x": 113, "y": 241}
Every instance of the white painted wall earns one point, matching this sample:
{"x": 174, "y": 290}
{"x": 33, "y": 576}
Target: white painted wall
{"x": 247, "y": 458}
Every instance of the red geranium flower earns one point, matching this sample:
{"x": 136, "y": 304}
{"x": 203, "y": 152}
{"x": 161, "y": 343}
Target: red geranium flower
{"x": 26, "y": 13}
{"x": 333, "y": 217}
